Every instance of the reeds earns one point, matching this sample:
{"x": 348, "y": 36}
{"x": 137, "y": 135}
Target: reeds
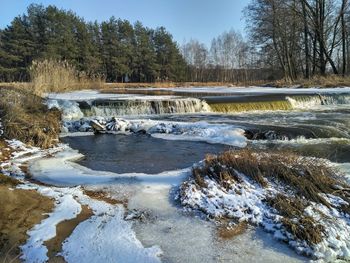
{"x": 57, "y": 76}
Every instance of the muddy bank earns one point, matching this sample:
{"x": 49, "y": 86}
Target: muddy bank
{"x": 20, "y": 210}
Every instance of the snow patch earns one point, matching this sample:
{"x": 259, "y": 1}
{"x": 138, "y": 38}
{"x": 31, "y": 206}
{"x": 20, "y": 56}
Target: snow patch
{"x": 70, "y": 109}
{"x": 105, "y": 237}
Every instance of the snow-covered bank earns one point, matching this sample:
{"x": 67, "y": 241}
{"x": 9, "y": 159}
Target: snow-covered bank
{"x": 243, "y": 199}
{"x": 197, "y": 131}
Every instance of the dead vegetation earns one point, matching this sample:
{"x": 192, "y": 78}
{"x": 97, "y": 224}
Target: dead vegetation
{"x": 102, "y": 196}
{"x": 301, "y": 226}
{"x": 304, "y": 180}
{"x": 27, "y": 119}
{"x": 328, "y": 81}
{"x": 60, "y": 76}
{"x": 226, "y": 231}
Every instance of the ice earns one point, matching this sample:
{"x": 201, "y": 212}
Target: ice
{"x": 89, "y": 95}
{"x": 60, "y": 170}
{"x": 202, "y": 131}
{"x": 197, "y": 131}
{"x": 256, "y": 90}
{"x": 70, "y": 109}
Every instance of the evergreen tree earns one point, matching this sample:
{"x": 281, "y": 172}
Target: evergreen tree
{"x": 114, "y": 48}
{"x": 145, "y": 57}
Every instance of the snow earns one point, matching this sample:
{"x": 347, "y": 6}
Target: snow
{"x": 197, "y": 131}
{"x": 89, "y": 95}
{"x": 105, "y": 237}
{"x": 245, "y": 202}
{"x": 70, "y": 109}
{"x": 255, "y": 90}
{"x": 65, "y": 208}
{"x": 1, "y": 129}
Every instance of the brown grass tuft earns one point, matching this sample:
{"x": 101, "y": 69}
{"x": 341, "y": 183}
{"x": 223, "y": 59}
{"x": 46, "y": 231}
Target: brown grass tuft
{"x": 26, "y": 118}
{"x": 301, "y": 226}
{"x": 305, "y": 178}
{"x": 6, "y": 180}
{"x": 230, "y": 231}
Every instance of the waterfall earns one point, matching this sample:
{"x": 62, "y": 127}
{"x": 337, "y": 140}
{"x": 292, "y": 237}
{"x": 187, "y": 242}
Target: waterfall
{"x": 305, "y": 102}
{"x": 107, "y": 108}
{"x": 250, "y": 106}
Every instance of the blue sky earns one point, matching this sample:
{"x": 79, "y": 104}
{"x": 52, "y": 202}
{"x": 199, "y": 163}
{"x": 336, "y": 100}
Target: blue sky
{"x": 185, "y": 19}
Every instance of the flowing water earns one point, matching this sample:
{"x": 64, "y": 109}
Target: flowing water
{"x": 310, "y": 122}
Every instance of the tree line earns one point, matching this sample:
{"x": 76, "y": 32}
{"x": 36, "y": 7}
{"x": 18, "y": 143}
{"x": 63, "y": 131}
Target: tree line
{"x": 114, "y": 49}
{"x": 302, "y": 38}
{"x": 230, "y": 58}
{"x": 287, "y": 38}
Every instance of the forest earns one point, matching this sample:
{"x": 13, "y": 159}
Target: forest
{"x": 290, "y": 39}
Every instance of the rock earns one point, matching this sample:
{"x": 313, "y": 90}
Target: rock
{"x": 97, "y": 127}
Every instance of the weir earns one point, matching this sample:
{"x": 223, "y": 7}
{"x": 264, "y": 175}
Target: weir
{"x": 274, "y": 102}
{"x": 108, "y": 108}
{"x": 182, "y": 105}
{"x": 300, "y": 102}
{"x": 251, "y": 106}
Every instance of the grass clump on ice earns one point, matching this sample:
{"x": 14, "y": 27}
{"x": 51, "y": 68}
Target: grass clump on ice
{"x": 303, "y": 201}
{"x": 26, "y": 118}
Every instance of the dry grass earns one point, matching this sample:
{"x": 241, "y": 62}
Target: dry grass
{"x": 9, "y": 181}
{"x": 304, "y": 178}
{"x": 307, "y": 177}
{"x": 60, "y": 76}
{"x": 226, "y": 231}
{"x": 328, "y": 81}
{"x": 301, "y": 226}
{"x": 26, "y": 118}
{"x": 102, "y": 196}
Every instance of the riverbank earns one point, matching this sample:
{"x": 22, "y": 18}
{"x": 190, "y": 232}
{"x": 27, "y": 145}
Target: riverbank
{"x": 316, "y": 81}
{"x": 141, "y": 202}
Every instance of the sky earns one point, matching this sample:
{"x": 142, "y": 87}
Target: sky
{"x": 184, "y": 19}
